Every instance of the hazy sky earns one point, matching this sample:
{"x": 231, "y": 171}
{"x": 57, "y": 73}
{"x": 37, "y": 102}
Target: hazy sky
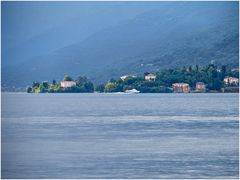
{"x": 23, "y": 20}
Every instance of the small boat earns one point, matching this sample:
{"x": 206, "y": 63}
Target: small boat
{"x": 119, "y": 93}
{"x": 132, "y": 91}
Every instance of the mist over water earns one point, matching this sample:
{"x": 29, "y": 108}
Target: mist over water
{"x": 120, "y": 136}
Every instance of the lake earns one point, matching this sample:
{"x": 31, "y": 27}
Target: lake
{"x": 120, "y": 135}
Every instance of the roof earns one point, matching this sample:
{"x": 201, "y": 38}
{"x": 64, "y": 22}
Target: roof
{"x": 150, "y": 75}
{"x": 127, "y": 76}
{"x": 180, "y": 84}
{"x": 231, "y": 78}
{"x": 67, "y": 81}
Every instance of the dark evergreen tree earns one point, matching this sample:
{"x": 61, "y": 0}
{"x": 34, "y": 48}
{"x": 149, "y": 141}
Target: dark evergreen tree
{"x": 54, "y": 82}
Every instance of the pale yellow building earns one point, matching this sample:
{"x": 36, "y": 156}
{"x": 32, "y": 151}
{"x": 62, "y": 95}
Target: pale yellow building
{"x": 66, "y": 84}
{"x": 150, "y": 77}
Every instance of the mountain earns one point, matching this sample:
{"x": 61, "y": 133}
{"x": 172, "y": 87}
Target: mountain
{"x": 173, "y": 35}
{"x": 36, "y": 29}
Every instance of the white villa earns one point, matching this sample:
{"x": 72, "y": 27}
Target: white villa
{"x": 231, "y": 81}
{"x": 150, "y": 77}
{"x": 66, "y": 84}
{"x": 126, "y": 76}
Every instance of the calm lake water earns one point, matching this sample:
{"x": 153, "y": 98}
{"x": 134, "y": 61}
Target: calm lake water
{"x": 120, "y": 136}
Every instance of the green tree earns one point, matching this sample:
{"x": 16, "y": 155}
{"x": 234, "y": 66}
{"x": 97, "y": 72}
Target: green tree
{"x": 224, "y": 69}
{"x": 35, "y": 84}
{"x": 190, "y": 69}
{"x": 67, "y": 78}
{"x": 129, "y": 80}
{"x": 45, "y": 84}
{"x": 112, "y": 80}
{"x": 84, "y": 85}
{"x": 89, "y": 87}
{"x": 43, "y": 87}
{"x": 111, "y": 87}
{"x": 81, "y": 80}
{"x": 29, "y": 89}
{"x": 197, "y": 68}
{"x": 54, "y": 82}
{"x": 100, "y": 88}
{"x": 146, "y": 73}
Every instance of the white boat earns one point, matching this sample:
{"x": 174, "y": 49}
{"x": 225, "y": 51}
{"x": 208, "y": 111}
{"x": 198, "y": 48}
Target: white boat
{"x": 119, "y": 93}
{"x": 132, "y": 91}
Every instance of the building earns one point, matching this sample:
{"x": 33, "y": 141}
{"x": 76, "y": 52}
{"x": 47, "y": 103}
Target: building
{"x": 66, "y": 84}
{"x": 231, "y": 81}
{"x": 126, "y": 76}
{"x": 181, "y": 88}
{"x": 235, "y": 70}
{"x": 219, "y": 70}
{"x": 150, "y": 77}
{"x": 200, "y": 86}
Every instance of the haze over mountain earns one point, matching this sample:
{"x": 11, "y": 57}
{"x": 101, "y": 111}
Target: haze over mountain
{"x": 118, "y": 38}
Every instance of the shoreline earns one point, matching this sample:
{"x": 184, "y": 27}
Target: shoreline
{"x": 121, "y": 93}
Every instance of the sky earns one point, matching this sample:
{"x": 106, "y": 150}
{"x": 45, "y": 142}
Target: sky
{"x": 24, "y": 20}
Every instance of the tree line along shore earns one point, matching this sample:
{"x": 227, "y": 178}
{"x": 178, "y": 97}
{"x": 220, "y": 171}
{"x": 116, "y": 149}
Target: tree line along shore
{"x": 210, "y": 78}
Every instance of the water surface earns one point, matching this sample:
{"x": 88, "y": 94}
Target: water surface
{"x": 119, "y": 136}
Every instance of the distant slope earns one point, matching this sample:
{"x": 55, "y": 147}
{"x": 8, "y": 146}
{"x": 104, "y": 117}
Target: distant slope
{"x": 34, "y": 29}
{"x": 176, "y": 35}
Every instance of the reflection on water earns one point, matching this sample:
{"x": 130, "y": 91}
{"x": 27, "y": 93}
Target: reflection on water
{"x": 119, "y": 136}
